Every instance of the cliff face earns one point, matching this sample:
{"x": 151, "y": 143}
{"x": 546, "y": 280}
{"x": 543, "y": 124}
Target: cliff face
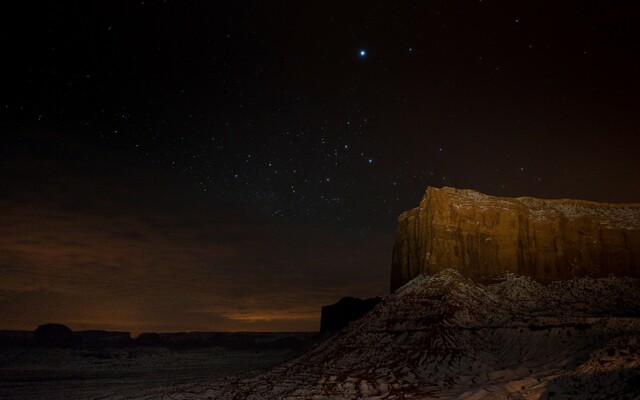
{"x": 484, "y": 236}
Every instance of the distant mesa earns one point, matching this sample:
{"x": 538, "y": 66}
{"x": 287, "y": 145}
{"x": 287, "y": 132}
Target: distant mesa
{"x": 15, "y": 338}
{"x": 53, "y": 335}
{"x": 150, "y": 339}
{"x": 100, "y": 338}
{"x": 336, "y": 316}
{"x": 483, "y": 237}
{"x": 60, "y": 336}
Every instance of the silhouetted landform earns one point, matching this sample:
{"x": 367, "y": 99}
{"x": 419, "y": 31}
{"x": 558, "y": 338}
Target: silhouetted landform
{"x": 60, "y": 336}
{"x": 53, "y": 335}
{"x": 230, "y": 340}
{"x": 485, "y": 236}
{"x": 336, "y": 316}
{"x": 444, "y": 336}
{"x": 16, "y": 338}
{"x": 100, "y": 338}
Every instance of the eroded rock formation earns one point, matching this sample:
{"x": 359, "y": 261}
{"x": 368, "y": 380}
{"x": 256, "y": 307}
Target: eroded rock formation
{"x": 444, "y": 336}
{"x": 484, "y": 236}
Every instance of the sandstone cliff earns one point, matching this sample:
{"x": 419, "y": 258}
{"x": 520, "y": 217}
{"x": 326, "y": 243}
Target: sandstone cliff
{"x": 484, "y": 236}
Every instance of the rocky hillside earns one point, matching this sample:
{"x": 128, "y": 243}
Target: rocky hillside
{"x": 484, "y": 236}
{"x": 445, "y": 336}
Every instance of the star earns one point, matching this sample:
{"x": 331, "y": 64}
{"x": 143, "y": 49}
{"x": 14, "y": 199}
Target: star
{"x": 362, "y": 53}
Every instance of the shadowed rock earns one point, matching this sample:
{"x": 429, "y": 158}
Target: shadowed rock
{"x": 484, "y": 237}
{"x": 336, "y": 316}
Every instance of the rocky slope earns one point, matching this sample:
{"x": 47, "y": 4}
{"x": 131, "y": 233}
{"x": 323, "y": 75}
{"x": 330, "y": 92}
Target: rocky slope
{"x": 484, "y": 236}
{"x": 447, "y": 337}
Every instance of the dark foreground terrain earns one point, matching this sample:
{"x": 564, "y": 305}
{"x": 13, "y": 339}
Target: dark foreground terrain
{"x": 125, "y": 372}
{"x": 447, "y": 337}
{"x": 438, "y": 337}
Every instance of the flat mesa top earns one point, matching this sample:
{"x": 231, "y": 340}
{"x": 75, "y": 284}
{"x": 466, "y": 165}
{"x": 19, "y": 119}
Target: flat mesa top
{"x": 620, "y": 215}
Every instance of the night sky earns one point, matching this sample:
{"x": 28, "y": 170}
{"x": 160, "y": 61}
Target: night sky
{"x": 176, "y": 165}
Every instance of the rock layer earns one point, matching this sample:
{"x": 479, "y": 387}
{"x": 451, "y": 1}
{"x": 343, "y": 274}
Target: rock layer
{"x": 484, "y": 237}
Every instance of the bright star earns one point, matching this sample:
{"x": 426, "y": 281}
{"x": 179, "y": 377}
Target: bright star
{"x": 363, "y": 53}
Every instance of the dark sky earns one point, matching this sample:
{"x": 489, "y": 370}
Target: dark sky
{"x": 177, "y": 165}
